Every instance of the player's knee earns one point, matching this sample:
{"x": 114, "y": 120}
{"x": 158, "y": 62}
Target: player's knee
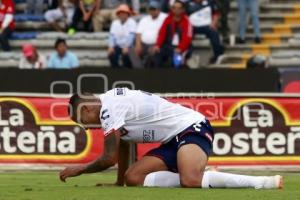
{"x": 190, "y": 181}
{"x": 133, "y": 179}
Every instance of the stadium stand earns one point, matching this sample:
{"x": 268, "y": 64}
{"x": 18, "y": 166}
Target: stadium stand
{"x": 280, "y": 23}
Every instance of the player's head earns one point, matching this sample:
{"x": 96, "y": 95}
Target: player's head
{"x": 85, "y": 109}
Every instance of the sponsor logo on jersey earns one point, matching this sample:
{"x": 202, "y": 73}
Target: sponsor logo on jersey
{"x": 120, "y": 91}
{"x": 148, "y": 136}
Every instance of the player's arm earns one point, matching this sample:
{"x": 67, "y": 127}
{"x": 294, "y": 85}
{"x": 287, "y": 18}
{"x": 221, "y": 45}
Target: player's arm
{"x": 123, "y": 162}
{"x": 107, "y": 160}
{"x": 109, "y": 157}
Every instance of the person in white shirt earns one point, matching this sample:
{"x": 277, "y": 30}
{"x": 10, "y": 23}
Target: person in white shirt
{"x": 31, "y": 59}
{"x": 137, "y": 116}
{"x": 147, "y": 32}
{"x": 121, "y": 38}
{"x": 64, "y": 12}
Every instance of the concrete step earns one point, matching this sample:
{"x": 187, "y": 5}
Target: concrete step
{"x": 20, "y": 7}
{"x": 266, "y": 8}
{"x": 283, "y": 1}
{"x": 269, "y": 38}
{"x": 73, "y": 44}
{"x": 91, "y": 55}
{"x": 83, "y": 63}
{"x": 83, "y": 43}
{"x": 233, "y": 61}
{"x": 276, "y": 17}
{"x": 248, "y": 49}
{"x": 277, "y": 28}
{"x": 33, "y": 26}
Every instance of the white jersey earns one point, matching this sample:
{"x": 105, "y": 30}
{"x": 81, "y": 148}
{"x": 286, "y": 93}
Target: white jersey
{"x": 144, "y": 117}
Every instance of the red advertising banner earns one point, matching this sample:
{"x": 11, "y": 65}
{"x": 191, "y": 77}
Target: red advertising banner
{"x": 248, "y": 131}
{"x": 38, "y": 130}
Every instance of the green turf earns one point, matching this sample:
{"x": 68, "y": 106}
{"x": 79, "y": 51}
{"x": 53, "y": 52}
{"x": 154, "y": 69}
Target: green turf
{"x": 46, "y": 186}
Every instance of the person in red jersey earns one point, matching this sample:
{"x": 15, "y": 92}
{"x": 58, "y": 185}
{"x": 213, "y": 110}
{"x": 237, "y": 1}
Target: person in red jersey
{"x": 175, "y": 37}
{"x": 7, "y": 25}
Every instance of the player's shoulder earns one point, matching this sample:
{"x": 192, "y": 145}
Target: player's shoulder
{"x": 115, "y": 94}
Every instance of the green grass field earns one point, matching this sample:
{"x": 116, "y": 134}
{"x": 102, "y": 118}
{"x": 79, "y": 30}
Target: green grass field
{"x": 46, "y": 186}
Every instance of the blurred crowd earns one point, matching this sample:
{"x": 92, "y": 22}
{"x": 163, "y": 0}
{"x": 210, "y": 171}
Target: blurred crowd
{"x": 160, "y": 36}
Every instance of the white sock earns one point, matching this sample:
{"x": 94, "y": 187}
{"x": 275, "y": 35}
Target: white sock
{"x": 210, "y": 179}
{"x": 213, "y": 179}
{"x": 162, "y": 179}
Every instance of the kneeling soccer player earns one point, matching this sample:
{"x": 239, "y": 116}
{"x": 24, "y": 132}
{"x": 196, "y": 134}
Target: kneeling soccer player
{"x": 186, "y": 137}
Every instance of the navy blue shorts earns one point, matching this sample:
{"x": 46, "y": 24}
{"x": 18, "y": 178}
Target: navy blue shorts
{"x": 201, "y": 134}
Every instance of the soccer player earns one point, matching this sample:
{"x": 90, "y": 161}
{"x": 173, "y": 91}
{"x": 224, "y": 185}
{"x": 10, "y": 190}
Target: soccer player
{"x": 186, "y": 137}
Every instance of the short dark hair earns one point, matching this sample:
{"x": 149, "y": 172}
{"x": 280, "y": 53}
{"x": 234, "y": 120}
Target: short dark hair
{"x": 59, "y": 41}
{"x": 76, "y": 99}
{"x": 182, "y": 2}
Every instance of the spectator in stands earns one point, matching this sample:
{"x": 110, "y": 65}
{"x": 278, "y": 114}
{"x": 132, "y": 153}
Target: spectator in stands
{"x": 62, "y": 58}
{"x": 64, "y": 12}
{"x": 121, "y": 37}
{"x": 7, "y": 24}
{"x": 147, "y": 32}
{"x": 107, "y": 12}
{"x": 85, "y": 10}
{"x": 253, "y": 6}
{"x": 204, "y": 16}
{"x": 34, "y": 7}
{"x": 31, "y": 59}
{"x": 224, "y": 6}
{"x": 174, "y": 38}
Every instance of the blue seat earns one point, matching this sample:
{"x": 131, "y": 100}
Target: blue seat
{"x": 23, "y": 35}
{"x": 27, "y": 17}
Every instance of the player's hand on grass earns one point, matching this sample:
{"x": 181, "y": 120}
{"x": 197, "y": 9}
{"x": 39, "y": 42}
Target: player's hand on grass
{"x": 71, "y": 172}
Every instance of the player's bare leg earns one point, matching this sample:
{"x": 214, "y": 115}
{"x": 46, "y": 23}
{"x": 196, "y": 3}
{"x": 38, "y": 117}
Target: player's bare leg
{"x": 191, "y": 165}
{"x": 191, "y": 161}
{"x": 136, "y": 173}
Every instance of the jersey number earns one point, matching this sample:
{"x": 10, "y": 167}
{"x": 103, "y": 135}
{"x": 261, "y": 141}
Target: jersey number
{"x": 197, "y": 127}
{"x": 104, "y": 114}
